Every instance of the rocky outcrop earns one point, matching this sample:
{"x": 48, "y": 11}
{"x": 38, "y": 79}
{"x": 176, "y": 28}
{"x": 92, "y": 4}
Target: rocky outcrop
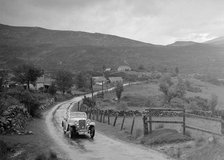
{"x": 13, "y": 120}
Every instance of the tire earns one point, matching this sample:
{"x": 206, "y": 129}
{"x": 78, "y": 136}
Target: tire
{"x": 69, "y": 134}
{"x": 72, "y": 133}
{"x": 92, "y": 132}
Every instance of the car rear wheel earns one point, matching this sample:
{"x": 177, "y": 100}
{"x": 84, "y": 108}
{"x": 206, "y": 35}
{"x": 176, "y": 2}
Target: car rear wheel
{"x": 92, "y": 132}
{"x": 69, "y": 134}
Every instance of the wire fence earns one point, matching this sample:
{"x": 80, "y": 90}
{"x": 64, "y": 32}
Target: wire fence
{"x": 130, "y": 121}
{"x": 138, "y": 123}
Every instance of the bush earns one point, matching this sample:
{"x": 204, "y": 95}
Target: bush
{"x": 3, "y": 149}
{"x": 177, "y": 103}
{"x": 155, "y": 101}
{"x": 119, "y": 89}
{"x": 29, "y": 99}
{"x": 199, "y": 103}
{"x": 191, "y": 88}
{"x": 171, "y": 90}
{"x": 122, "y": 106}
{"x": 52, "y": 89}
{"x": 7, "y": 101}
{"x": 212, "y": 103}
{"x": 31, "y": 102}
{"x": 209, "y": 78}
{"x": 89, "y": 102}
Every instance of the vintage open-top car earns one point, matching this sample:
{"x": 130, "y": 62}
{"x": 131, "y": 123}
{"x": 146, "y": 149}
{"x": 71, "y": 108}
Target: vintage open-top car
{"x": 76, "y": 123}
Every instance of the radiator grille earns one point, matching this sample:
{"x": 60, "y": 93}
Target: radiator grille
{"x": 82, "y": 124}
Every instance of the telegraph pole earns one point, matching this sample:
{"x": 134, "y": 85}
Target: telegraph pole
{"x": 91, "y": 80}
{"x": 102, "y": 90}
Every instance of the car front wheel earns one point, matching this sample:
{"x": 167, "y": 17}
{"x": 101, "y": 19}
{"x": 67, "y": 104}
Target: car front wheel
{"x": 92, "y": 132}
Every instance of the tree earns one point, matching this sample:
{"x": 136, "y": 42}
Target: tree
{"x": 119, "y": 89}
{"x": 153, "y": 69}
{"x": 213, "y": 102}
{"x": 83, "y": 81}
{"x": 141, "y": 67}
{"x": 3, "y": 79}
{"x": 104, "y": 67}
{"x": 176, "y": 70}
{"x": 165, "y": 83}
{"x": 107, "y": 74}
{"x": 170, "y": 89}
{"x": 52, "y": 89}
{"x": 63, "y": 80}
{"x": 89, "y": 102}
{"x": 176, "y": 90}
{"x": 29, "y": 99}
{"x": 26, "y": 74}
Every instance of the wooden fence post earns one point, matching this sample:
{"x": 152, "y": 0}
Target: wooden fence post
{"x": 150, "y": 123}
{"x": 184, "y": 123}
{"x": 133, "y": 122}
{"x": 97, "y": 116}
{"x": 222, "y": 124}
{"x": 78, "y": 107}
{"x": 122, "y": 125}
{"x": 145, "y": 125}
{"x": 94, "y": 114}
{"x": 115, "y": 119}
{"x": 90, "y": 112}
{"x": 104, "y": 112}
{"x": 87, "y": 112}
{"x": 101, "y": 115}
{"x": 108, "y": 117}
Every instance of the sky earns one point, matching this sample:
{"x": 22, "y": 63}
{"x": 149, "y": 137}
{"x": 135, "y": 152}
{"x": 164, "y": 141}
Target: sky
{"x": 151, "y": 21}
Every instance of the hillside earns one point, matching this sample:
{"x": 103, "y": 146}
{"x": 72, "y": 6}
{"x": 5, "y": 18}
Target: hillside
{"x": 216, "y": 41}
{"x": 35, "y": 36}
{"x": 183, "y": 43}
{"x": 76, "y": 51}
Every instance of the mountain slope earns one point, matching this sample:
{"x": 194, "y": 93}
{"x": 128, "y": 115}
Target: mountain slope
{"x": 216, "y": 41}
{"x": 77, "y": 51}
{"x": 183, "y": 43}
{"x": 33, "y": 36}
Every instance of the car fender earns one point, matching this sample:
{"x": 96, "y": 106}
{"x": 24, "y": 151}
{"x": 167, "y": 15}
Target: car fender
{"x": 92, "y": 124}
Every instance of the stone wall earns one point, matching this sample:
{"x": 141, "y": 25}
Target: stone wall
{"x": 13, "y": 120}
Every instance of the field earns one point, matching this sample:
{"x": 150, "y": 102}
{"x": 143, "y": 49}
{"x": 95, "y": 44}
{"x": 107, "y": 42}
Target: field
{"x": 207, "y": 90}
{"x": 137, "y": 97}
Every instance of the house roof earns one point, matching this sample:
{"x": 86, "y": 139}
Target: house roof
{"x": 99, "y": 79}
{"x": 45, "y": 80}
{"x": 124, "y": 67}
{"x": 108, "y": 69}
{"x": 115, "y": 79}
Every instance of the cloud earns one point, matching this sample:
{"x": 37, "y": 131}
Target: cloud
{"x": 63, "y": 5}
{"x": 153, "y": 21}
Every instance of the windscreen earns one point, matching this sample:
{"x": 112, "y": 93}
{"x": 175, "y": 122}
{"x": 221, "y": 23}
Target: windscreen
{"x": 78, "y": 114}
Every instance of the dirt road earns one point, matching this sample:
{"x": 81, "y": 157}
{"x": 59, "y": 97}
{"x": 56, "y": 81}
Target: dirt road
{"x": 100, "y": 148}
